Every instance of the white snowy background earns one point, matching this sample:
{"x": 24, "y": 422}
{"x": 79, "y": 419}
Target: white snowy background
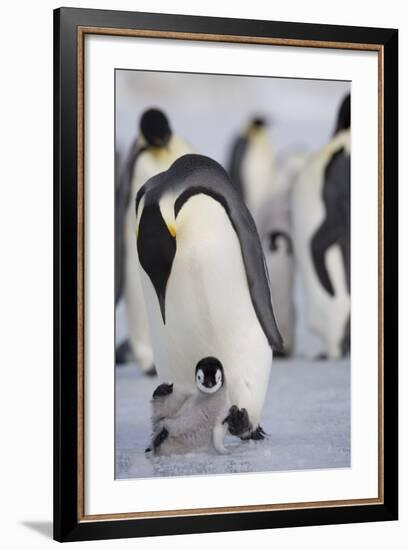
{"x": 307, "y": 411}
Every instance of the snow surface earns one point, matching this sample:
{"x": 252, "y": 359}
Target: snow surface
{"x": 306, "y": 414}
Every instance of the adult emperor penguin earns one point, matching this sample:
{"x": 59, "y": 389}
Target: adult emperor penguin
{"x": 321, "y": 215}
{"x": 252, "y": 162}
{"x": 205, "y": 281}
{"x": 153, "y": 151}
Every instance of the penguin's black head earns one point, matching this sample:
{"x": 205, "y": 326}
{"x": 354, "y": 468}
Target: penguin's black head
{"x": 344, "y": 116}
{"x": 209, "y": 375}
{"x": 156, "y": 248}
{"x": 155, "y": 128}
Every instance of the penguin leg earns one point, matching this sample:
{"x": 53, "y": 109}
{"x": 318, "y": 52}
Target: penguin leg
{"x": 219, "y": 433}
{"x": 238, "y": 422}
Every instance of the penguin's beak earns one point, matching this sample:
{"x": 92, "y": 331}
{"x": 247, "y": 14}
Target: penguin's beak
{"x": 156, "y": 247}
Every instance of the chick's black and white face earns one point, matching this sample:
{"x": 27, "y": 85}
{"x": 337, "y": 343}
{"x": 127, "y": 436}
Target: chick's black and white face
{"x": 209, "y": 376}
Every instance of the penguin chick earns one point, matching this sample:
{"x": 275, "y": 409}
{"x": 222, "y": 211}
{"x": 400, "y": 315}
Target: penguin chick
{"x": 192, "y": 422}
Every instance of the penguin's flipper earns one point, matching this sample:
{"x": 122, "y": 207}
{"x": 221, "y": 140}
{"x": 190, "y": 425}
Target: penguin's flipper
{"x": 159, "y": 438}
{"x": 235, "y": 164}
{"x": 325, "y": 236}
{"x": 166, "y": 402}
{"x": 162, "y": 390}
{"x": 276, "y": 235}
{"x": 205, "y": 176}
{"x": 335, "y": 228}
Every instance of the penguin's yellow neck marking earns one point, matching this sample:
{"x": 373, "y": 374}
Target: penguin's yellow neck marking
{"x": 172, "y": 230}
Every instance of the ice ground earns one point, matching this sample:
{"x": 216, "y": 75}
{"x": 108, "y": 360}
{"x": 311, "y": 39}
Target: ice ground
{"x": 306, "y": 414}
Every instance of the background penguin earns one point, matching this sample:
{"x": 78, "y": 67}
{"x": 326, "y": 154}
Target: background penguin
{"x": 184, "y": 422}
{"x": 274, "y": 222}
{"x": 321, "y": 215}
{"x": 154, "y": 149}
{"x": 252, "y": 164}
{"x": 205, "y": 281}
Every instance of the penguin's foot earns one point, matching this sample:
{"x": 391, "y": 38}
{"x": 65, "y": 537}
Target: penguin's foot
{"x": 258, "y": 434}
{"x": 282, "y": 354}
{"x": 123, "y": 353}
{"x": 160, "y": 437}
{"x": 238, "y": 422}
{"x": 151, "y": 372}
{"x": 321, "y": 357}
{"x": 163, "y": 390}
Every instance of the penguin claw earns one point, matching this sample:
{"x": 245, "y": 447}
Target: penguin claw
{"x": 258, "y": 434}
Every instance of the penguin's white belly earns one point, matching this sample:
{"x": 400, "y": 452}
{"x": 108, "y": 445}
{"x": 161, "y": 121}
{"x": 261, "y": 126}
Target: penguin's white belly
{"x": 209, "y": 311}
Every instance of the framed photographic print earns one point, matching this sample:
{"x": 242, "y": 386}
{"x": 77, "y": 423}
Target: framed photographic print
{"x": 225, "y": 274}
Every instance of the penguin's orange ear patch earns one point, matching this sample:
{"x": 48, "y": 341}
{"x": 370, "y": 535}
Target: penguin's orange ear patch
{"x": 172, "y": 230}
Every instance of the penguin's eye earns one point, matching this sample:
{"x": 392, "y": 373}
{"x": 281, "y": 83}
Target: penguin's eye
{"x": 200, "y": 376}
{"x": 218, "y": 376}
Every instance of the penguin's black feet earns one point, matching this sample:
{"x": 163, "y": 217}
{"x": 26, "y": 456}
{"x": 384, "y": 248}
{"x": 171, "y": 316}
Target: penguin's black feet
{"x": 258, "y": 434}
{"x": 123, "y": 353}
{"x": 151, "y": 372}
{"x": 281, "y": 354}
{"x": 238, "y": 422}
{"x": 160, "y": 437}
{"x": 163, "y": 390}
{"x": 321, "y": 357}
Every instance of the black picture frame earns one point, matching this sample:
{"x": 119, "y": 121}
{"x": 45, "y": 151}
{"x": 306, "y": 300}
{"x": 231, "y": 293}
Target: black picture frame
{"x": 68, "y": 525}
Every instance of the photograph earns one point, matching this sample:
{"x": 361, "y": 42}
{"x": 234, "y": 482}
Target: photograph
{"x": 232, "y": 274}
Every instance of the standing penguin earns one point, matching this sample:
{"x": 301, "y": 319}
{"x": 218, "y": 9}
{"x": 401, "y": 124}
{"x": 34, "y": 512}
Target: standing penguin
{"x": 205, "y": 282}
{"x": 321, "y": 215}
{"x": 274, "y": 221}
{"x": 251, "y": 165}
{"x": 155, "y": 148}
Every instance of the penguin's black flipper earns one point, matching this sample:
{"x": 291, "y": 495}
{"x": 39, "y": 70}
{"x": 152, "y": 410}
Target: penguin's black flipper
{"x": 276, "y": 235}
{"x": 325, "y": 236}
{"x": 160, "y": 437}
{"x": 335, "y": 228}
{"x": 162, "y": 390}
{"x": 235, "y": 164}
